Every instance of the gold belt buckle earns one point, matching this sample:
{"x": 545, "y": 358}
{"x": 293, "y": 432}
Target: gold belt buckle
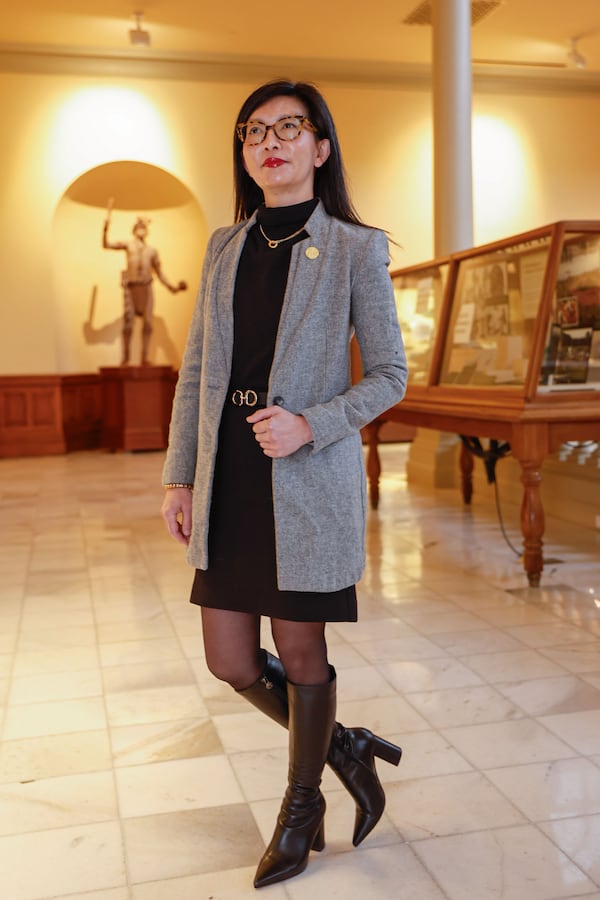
{"x": 244, "y": 398}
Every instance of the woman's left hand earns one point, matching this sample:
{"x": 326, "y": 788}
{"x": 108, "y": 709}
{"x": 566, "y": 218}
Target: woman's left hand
{"x": 279, "y": 432}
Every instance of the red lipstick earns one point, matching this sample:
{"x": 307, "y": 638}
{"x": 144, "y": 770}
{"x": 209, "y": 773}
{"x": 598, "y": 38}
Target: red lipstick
{"x": 273, "y": 162}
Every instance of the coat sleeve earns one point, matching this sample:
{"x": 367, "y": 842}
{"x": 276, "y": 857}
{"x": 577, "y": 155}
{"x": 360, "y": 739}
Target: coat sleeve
{"x": 180, "y": 462}
{"x": 375, "y": 321}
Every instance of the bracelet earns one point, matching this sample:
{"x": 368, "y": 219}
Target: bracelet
{"x": 176, "y": 484}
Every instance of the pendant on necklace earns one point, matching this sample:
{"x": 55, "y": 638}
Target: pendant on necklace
{"x": 272, "y": 244}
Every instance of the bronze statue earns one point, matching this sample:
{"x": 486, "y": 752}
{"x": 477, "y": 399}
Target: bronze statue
{"x": 142, "y": 263}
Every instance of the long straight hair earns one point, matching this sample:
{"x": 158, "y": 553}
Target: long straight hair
{"x": 330, "y": 178}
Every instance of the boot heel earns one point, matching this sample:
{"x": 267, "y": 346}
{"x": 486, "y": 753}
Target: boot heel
{"x": 319, "y": 842}
{"x": 386, "y": 751}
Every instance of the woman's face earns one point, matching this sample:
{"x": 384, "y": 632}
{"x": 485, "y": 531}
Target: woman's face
{"x": 285, "y": 170}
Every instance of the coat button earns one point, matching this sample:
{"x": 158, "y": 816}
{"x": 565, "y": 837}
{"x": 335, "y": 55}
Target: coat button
{"x": 278, "y": 401}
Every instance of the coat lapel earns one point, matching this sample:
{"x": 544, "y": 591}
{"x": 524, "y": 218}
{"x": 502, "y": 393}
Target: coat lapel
{"x": 309, "y": 257}
{"x": 223, "y": 287}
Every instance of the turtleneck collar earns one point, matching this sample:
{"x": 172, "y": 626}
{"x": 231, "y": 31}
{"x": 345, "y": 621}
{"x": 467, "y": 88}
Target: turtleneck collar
{"x": 288, "y": 216}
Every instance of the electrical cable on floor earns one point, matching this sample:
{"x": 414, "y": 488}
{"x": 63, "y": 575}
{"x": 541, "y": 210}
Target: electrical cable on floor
{"x": 518, "y": 553}
{"x": 490, "y": 456}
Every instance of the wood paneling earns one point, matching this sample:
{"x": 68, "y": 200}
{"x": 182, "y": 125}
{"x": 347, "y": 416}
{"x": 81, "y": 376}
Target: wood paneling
{"x": 82, "y": 411}
{"x": 31, "y": 415}
{"x": 43, "y": 415}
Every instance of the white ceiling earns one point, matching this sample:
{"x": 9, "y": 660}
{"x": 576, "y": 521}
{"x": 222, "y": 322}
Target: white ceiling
{"x": 348, "y": 37}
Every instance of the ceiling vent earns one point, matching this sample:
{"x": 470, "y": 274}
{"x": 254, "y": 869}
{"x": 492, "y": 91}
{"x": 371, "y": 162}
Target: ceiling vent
{"x": 423, "y": 13}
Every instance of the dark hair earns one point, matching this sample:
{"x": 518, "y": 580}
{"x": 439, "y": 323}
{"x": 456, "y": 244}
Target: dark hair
{"x": 330, "y": 178}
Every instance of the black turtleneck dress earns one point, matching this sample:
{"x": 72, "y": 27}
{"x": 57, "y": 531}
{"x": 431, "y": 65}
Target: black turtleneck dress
{"x": 242, "y": 571}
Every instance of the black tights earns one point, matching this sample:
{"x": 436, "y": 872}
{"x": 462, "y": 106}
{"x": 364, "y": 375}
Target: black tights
{"x": 232, "y": 648}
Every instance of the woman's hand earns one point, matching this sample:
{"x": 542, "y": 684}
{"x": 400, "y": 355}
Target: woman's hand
{"x": 279, "y": 432}
{"x": 176, "y": 510}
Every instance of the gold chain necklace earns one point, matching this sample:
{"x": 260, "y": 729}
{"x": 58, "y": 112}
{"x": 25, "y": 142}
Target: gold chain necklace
{"x": 274, "y": 244}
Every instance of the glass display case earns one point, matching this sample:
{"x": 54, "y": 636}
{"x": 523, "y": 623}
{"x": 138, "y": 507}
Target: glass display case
{"x": 495, "y": 307}
{"x": 419, "y": 293}
{"x": 572, "y": 353}
{"x": 521, "y": 313}
{"x": 503, "y": 342}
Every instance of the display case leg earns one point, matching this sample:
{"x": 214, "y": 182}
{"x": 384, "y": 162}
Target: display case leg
{"x": 532, "y": 520}
{"x": 371, "y": 437}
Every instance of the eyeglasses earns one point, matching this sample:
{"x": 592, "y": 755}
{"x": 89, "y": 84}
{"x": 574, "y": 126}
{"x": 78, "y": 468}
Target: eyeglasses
{"x": 287, "y": 128}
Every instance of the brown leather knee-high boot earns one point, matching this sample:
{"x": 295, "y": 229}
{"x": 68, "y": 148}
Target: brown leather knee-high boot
{"x": 351, "y": 754}
{"x": 299, "y": 825}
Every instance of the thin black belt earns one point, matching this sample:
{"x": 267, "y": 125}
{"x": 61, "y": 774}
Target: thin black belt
{"x": 248, "y": 398}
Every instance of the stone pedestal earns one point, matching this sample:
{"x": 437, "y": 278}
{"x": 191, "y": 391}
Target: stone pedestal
{"x": 136, "y": 402}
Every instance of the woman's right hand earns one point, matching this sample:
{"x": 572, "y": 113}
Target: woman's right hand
{"x": 176, "y": 510}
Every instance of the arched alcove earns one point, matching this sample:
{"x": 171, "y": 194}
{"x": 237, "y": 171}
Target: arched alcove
{"x": 87, "y": 292}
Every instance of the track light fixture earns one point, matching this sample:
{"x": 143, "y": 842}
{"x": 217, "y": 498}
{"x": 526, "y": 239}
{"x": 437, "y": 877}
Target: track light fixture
{"x": 575, "y": 57}
{"x": 137, "y": 35}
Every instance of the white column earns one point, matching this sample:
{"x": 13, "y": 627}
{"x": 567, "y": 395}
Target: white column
{"x": 452, "y": 91}
{"x": 434, "y": 455}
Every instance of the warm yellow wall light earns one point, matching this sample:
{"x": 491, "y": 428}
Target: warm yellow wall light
{"x": 98, "y": 125}
{"x": 500, "y": 172}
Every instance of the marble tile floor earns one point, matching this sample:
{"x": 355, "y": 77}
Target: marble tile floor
{"x": 128, "y": 773}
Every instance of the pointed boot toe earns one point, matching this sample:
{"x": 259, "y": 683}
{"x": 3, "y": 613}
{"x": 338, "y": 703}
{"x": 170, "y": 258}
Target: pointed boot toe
{"x": 299, "y": 830}
{"x": 352, "y": 757}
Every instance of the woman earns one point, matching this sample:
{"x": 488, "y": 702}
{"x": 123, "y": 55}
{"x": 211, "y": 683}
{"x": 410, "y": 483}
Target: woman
{"x": 264, "y": 474}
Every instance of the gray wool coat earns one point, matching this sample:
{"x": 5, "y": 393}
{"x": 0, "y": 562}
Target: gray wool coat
{"x": 319, "y": 492}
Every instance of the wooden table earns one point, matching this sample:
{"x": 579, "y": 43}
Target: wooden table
{"x": 534, "y": 429}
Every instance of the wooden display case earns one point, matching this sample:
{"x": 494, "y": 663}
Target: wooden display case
{"x": 503, "y": 342}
